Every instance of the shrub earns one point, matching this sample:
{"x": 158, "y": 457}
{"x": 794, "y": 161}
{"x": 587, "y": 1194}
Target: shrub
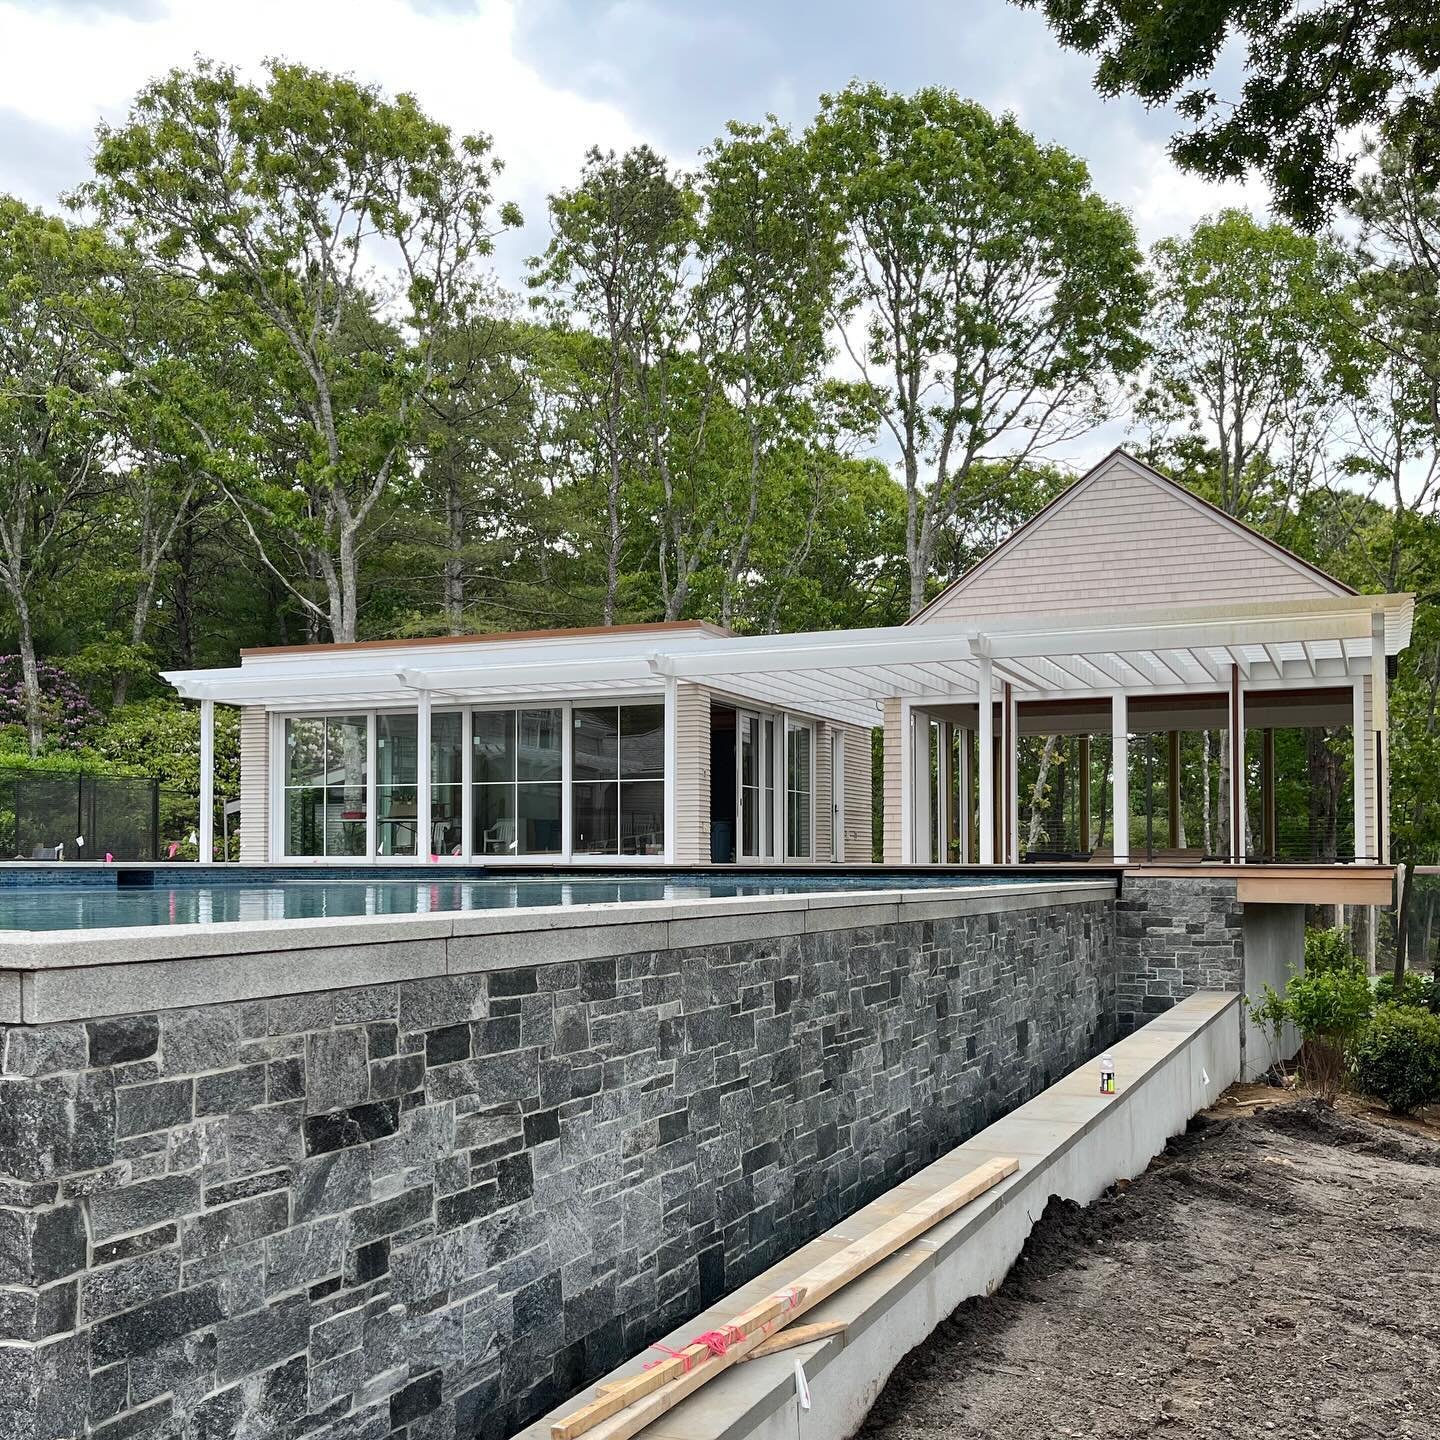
{"x": 1327, "y": 950}
{"x": 1397, "y": 1058}
{"x": 1416, "y": 989}
{"x": 1330, "y": 1009}
{"x": 66, "y": 714}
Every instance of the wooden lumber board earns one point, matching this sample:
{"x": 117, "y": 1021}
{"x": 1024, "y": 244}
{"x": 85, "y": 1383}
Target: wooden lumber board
{"x": 759, "y": 1320}
{"x": 793, "y": 1335}
{"x": 818, "y": 1283}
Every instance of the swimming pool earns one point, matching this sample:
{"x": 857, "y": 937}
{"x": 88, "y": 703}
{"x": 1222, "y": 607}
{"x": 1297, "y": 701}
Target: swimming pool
{"x": 91, "y": 901}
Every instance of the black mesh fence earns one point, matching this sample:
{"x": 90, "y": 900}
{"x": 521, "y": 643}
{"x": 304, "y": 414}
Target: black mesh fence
{"x": 87, "y": 817}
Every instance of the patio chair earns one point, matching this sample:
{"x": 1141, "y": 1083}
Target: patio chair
{"x": 48, "y": 852}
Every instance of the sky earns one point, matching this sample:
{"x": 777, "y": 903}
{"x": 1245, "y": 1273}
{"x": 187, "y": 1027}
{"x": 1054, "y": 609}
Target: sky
{"x": 550, "y": 78}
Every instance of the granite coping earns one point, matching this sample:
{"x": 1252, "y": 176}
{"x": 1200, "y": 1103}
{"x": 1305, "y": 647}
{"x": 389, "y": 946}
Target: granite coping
{"x": 30, "y": 950}
{"x": 1038, "y": 1134}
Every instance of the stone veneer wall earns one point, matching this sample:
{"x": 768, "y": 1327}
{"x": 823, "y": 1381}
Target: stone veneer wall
{"x": 436, "y": 1207}
{"x": 1172, "y": 938}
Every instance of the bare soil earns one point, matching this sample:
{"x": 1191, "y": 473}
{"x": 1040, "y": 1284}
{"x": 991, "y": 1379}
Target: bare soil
{"x": 1275, "y": 1273}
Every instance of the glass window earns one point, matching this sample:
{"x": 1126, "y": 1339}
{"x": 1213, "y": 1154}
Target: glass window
{"x": 515, "y": 769}
{"x": 642, "y": 742}
{"x": 768, "y": 764}
{"x": 618, "y": 770}
{"x": 396, "y": 798}
{"x": 446, "y": 785}
{"x": 799, "y": 790}
{"x": 597, "y": 744}
{"x": 325, "y": 784}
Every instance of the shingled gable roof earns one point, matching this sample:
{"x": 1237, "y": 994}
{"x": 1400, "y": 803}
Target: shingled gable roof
{"x": 1124, "y": 534}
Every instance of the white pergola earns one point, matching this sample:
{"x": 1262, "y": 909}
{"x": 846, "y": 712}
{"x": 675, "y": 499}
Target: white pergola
{"x": 854, "y": 676}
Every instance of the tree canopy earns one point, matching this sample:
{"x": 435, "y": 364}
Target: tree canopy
{"x": 1315, "y": 76}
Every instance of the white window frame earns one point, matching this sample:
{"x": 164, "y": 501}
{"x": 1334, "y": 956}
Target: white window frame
{"x": 565, "y": 856}
{"x": 795, "y": 722}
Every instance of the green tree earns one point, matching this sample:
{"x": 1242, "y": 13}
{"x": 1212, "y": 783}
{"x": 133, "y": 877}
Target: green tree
{"x": 618, "y": 265}
{"x": 338, "y": 233}
{"x": 54, "y": 450}
{"x": 1255, "y": 341}
{"x": 991, "y": 295}
{"x": 1316, "y": 72}
{"x": 770, "y": 252}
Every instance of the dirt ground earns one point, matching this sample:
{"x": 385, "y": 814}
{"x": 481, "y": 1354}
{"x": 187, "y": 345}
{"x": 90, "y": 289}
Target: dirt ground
{"x": 1275, "y": 1273}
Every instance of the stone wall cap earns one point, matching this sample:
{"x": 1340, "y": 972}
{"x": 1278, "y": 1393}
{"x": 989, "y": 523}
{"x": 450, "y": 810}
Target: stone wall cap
{"x": 33, "y": 950}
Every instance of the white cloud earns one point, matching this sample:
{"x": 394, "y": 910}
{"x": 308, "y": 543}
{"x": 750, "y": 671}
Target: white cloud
{"x": 67, "y": 68}
{"x": 1163, "y": 200}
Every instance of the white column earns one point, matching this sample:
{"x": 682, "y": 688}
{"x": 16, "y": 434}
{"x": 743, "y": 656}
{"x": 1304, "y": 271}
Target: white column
{"x": 920, "y": 786}
{"x": 424, "y": 839}
{"x": 672, "y": 752}
{"x": 1012, "y": 767}
{"x": 905, "y": 745}
{"x": 1120, "y": 776}
{"x": 1361, "y": 749}
{"x": 1378, "y": 740}
{"x": 944, "y": 775}
{"x": 207, "y": 782}
{"x": 963, "y": 798}
{"x": 1237, "y": 766}
{"x": 987, "y": 764}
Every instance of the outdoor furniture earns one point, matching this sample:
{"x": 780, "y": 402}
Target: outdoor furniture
{"x": 48, "y": 852}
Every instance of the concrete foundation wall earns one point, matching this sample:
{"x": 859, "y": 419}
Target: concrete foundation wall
{"x": 437, "y": 1206}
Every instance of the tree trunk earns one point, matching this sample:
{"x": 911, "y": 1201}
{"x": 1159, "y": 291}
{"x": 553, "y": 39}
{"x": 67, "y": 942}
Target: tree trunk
{"x": 1205, "y": 792}
{"x": 342, "y": 624}
{"x": 29, "y": 673}
{"x": 1037, "y": 793}
{"x": 454, "y": 574}
{"x": 612, "y": 553}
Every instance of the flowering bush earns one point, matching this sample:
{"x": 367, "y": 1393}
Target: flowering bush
{"x": 67, "y": 715}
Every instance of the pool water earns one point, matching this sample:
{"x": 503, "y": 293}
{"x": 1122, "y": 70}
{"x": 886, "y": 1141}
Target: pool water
{"x": 139, "y": 899}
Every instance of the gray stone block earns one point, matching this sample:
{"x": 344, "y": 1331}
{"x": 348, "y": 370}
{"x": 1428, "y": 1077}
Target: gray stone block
{"x": 132, "y": 1282}
{"x": 142, "y": 1109}
{"x": 38, "y": 1247}
{"x": 337, "y": 1071}
{"x": 43, "y": 1049}
{"x": 217, "y": 1231}
{"x": 143, "y": 1206}
{"x": 262, "y": 1338}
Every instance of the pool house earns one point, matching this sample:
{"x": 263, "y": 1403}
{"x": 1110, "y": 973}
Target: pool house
{"x": 1132, "y": 677}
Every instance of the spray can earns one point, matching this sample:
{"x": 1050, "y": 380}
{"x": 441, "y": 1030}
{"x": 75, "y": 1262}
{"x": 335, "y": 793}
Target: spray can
{"x": 1107, "y": 1075}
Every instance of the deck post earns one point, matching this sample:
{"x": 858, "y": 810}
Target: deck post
{"x": 1380, "y": 735}
{"x": 424, "y": 837}
{"x": 1012, "y": 771}
{"x": 1084, "y": 806}
{"x": 945, "y": 790}
{"x": 207, "y": 782}
{"x": 965, "y": 799}
{"x": 1120, "y": 776}
{"x": 987, "y": 763}
{"x": 1358, "y": 732}
{"x": 672, "y": 779}
{"x": 1269, "y": 841}
{"x": 920, "y": 787}
{"x": 1237, "y": 765}
{"x": 1172, "y": 741}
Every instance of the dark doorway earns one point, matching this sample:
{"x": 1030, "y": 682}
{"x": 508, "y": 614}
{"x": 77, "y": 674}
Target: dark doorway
{"x": 722, "y": 784}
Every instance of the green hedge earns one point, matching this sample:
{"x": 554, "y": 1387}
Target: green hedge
{"x": 1397, "y": 1059}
